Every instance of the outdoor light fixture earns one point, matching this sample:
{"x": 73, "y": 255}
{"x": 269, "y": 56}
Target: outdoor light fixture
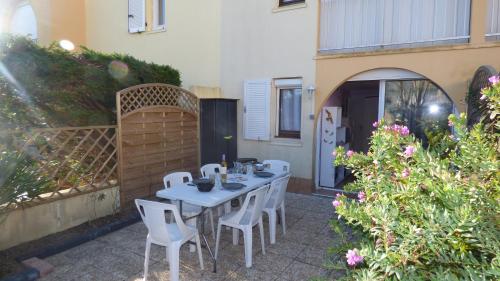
{"x": 310, "y": 91}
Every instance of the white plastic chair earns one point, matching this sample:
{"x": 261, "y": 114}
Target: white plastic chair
{"x": 187, "y": 209}
{"x": 169, "y": 235}
{"x": 210, "y": 169}
{"x": 276, "y": 199}
{"x": 245, "y": 219}
{"x": 278, "y": 165}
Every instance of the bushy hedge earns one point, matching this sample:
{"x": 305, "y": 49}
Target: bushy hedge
{"x": 425, "y": 213}
{"x": 53, "y": 87}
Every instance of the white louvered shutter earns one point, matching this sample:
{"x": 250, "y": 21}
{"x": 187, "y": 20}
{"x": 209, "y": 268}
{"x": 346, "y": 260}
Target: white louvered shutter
{"x": 136, "y": 16}
{"x": 257, "y": 113}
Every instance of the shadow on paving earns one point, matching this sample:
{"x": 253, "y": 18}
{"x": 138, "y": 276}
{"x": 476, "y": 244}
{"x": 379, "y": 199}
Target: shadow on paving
{"x": 298, "y": 255}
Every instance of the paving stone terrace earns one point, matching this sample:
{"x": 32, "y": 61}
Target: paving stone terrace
{"x": 298, "y": 255}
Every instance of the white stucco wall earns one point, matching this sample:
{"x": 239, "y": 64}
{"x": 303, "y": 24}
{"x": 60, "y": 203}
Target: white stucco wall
{"x": 190, "y": 43}
{"x": 258, "y": 41}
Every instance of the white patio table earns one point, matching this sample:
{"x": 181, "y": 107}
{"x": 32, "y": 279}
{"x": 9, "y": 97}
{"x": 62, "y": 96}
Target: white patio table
{"x": 190, "y": 194}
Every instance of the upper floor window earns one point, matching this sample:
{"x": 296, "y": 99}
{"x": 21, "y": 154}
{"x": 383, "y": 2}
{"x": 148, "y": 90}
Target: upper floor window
{"x": 493, "y": 20}
{"x": 283, "y": 3}
{"x": 365, "y": 25}
{"x": 23, "y": 21}
{"x": 146, "y": 15}
{"x": 289, "y": 101}
{"x": 158, "y": 14}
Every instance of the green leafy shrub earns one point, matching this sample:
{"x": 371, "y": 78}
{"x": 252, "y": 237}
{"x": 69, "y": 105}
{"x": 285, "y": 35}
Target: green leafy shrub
{"x": 20, "y": 178}
{"x": 426, "y": 213}
{"x": 53, "y": 87}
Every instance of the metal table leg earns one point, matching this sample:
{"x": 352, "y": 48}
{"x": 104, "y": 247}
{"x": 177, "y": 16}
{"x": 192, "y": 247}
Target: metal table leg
{"x": 203, "y": 209}
{"x": 202, "y": 233}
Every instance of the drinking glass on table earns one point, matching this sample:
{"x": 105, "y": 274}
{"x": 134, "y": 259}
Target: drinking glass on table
{"x": 249, "y": 168}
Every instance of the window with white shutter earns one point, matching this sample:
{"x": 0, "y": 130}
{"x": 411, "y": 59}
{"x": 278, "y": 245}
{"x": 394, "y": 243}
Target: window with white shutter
{"x": 493, "y": 20}
{"x": 136, "y": 16}
{"x": 159, "y": 14}
{"x": 256, "y": 116}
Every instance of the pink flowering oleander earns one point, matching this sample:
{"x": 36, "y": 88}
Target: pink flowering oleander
{"x": 338, "y": 195}
{"x": 450, "y": 123}
{"x": 494, "y": 80}
{"x": 405, "y": 131}
{"x": 334, "y": 153}
{"x": 409, "y": 151}
{"x": 353, "y": 258}
{"x": 405, "y": 173}
{"x": 401, "y": 130}
{"x": 375, "y": 124}
{"x": 336, "y": 203}
{"x": 350, "y": 153}
{"x": 361, "y": 196}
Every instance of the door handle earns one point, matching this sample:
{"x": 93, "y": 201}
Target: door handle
{"x": 228, "y": 137}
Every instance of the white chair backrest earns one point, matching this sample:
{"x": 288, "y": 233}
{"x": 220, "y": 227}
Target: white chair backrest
{"x": 153, "y": 216}
{"x": 209, "y": 169}
{"x": 176, "y": 178}
{"x": 277, "y": 191}
{"x": 258, "y": 197}
{"x": 278, "y": 165}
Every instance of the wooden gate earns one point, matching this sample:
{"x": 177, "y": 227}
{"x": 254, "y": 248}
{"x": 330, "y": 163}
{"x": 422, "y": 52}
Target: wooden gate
{"x": 157, "y": 134}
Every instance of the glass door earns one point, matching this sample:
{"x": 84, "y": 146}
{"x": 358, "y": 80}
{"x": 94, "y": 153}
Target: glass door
{"x": 419, "y": 104}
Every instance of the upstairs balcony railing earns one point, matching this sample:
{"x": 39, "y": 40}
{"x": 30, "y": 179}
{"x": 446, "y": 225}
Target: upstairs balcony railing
{"x": 493, "y": 20}
{"x": 365, "y": 25}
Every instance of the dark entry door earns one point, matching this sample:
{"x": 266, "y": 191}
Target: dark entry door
{"x": 218, "y": 130}
{"x": 370, "y": 109}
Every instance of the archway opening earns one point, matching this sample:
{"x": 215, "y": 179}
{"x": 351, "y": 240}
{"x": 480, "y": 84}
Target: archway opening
{"x": 398, "y": 96}
{"x": 23, "y": 21}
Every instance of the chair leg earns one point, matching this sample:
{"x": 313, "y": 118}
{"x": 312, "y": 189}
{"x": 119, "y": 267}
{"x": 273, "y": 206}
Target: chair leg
{"x": 227, "y": 210}
{"x": 192, "y": 222}
{"x": 198, "y": 248}
{"x": 211, "y": 217}
{"x": 261, "y": 229}
{"x": 283, "y": 218}
{"x": 247, "y": 235}
{"x": 272, "y": 226}
{"x": 146, "y": 259}
{"x": 236, "y": 236}
{"x": 173, "y": 256}
{"x": 227, "y": 207}
{"x": 217, "y": 240}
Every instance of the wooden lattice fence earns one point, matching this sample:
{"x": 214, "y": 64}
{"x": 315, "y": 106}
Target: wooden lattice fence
{"x": 73, "y": 160}
{"x": 158, "y": 134}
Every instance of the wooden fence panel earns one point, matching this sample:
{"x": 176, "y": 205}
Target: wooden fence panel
{"x": 158, "y": 134}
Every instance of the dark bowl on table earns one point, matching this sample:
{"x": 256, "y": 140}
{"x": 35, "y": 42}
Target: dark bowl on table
{"x": 259, "y": 167}
{"x": 203, "y": 185}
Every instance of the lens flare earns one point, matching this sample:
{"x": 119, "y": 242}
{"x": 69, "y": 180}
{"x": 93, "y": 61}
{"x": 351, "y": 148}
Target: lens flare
{"x": 67, "y": 45}
{"x": 434, "y": 109}
{"x": 118, "y": 69}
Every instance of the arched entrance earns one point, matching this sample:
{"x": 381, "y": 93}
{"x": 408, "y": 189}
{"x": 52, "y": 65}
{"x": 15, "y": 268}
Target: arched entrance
{"x": 347, "y": 116}
{"x": 23, "y": 21}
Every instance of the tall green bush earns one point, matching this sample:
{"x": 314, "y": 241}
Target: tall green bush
{"x": 425, "y": 213}
{"x": 49, "y": 86}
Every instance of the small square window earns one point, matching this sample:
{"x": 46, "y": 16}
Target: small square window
{"x": 283, "y": 3}
{"x": 289, "y": 112}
